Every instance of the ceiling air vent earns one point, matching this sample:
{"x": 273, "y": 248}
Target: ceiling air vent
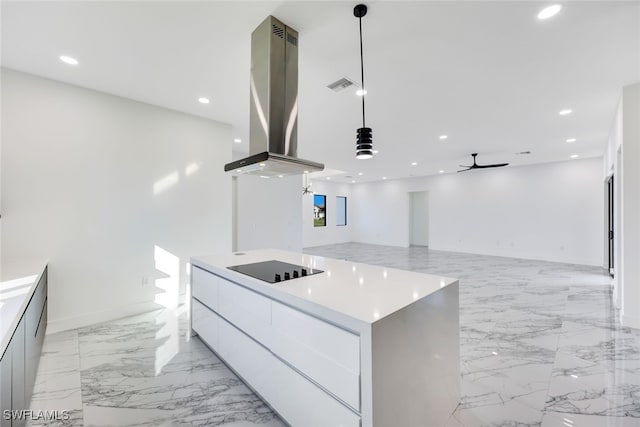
{"x": 278, "y": 31}
{"x": 342, "y": 84}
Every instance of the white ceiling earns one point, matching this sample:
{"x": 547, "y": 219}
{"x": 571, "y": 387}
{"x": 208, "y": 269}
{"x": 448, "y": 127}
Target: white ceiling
{"x": 488, "y": 74}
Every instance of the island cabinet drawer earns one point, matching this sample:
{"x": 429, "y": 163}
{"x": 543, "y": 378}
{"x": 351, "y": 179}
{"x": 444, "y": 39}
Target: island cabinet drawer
{"x": 247, "y": 310}
{"x": 204, "y": 287}
{"x": 205, "y": 323}
{"x": 325, "y": 353}
{"x": 297, "y": 400}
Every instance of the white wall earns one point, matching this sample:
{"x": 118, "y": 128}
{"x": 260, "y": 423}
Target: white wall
{"x": 317, "y": 236}
{"x": 550, "y": 211}
{"x": 631, "y": 205}
{"x": 110, "y": 191}
{"x": 613, "y": 166}
{"x": 622, "y": 158}
{"x": 268, "y": 213}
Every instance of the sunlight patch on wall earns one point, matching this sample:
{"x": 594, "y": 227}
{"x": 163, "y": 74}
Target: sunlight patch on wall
{"x": 169, "y": 264}
{"x": 191, "y": 168}
{"x": 163, "y": 183}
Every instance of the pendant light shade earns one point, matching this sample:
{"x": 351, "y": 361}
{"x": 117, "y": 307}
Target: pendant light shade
{"x": 364, "y": 137}
{"x": 364, "y": 144}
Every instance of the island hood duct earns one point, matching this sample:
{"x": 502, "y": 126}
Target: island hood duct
{"x": 273, "y": 139}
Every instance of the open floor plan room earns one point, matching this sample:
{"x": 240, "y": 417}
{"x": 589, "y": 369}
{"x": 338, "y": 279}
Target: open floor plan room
{"x": 320, "y": 213}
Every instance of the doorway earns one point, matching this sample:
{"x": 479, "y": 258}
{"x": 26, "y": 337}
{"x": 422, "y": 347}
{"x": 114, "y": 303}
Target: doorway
{"x": 419, "y": 218}
{"x": 611, "y": 215}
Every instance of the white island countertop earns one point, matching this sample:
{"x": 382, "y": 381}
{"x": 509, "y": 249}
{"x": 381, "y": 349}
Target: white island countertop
{"x": 18, "y": 280}
{"x": 358, "y": 291}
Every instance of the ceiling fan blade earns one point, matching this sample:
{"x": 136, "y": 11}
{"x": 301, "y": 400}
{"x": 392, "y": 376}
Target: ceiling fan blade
{"x": 496, "y": 165}
{"x": 464, "y": 170}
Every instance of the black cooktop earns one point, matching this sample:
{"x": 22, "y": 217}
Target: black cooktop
{"x": 274, "y": 271}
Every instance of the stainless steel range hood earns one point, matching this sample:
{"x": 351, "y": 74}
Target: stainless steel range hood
{"x": 273, "y": 139}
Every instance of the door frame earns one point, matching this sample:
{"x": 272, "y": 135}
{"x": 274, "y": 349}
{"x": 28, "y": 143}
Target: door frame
{"x": 611, "y": 190}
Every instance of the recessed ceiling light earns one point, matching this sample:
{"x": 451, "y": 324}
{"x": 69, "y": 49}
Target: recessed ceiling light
{"x": 239, "y": 170}
{"x": 565, "y": 112}
{"x": 203, "y": 100}
{"x": 440, "y": 171}
{"x": 549, "y": 11}
{"x": 375, "y": 151}
{"x": 361, "y": 92}
{"x": 280, "y": 176}
{"x": 353, "y": 182}
{"x": 443, "y": 137}
{"x": 263, "y": 164}
{"x": 414, "y": 163}
{"x": 68, "y": 60}
{"x": 306, "y": 171}
{"x": 574, "y": 156}
{"x": 570, "y": 140}
{"x": 328, "y": 178}
{"x": 237, "y": 140}
{"x": 360, "y": 173}
{"x": 263, "y": 176}
{"x": 384, "y": 177}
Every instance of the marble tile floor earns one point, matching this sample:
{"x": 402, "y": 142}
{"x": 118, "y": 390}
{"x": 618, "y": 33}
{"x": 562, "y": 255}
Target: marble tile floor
{"x": 540, "y": 346}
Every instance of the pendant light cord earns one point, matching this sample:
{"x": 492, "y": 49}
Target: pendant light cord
{"x": 362, "y": 70}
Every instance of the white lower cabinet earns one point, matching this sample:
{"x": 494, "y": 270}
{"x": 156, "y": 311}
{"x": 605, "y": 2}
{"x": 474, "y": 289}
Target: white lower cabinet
{"x": 248, "y": 310}
{"x": 299, "y": 401}
{"x": 204, "y": 287}
{"x": 206, "y": 322}
{"x": 269, "y": 344}
{"x": 327, "y": 354}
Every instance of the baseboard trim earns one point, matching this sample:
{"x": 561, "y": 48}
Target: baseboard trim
{"x": 630, "y": 321}
{"x": 532, "y": 257}
{"x": 67, "y": 323}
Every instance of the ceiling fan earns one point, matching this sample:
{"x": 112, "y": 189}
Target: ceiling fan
{"x": 306, "y": 186}
{"x": 477, "y": 166}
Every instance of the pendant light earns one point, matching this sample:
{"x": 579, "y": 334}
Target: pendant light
{"x": 364, "y": 140}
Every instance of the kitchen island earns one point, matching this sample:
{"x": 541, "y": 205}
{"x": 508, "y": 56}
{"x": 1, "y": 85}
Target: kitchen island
{"x": 352, "y": 345}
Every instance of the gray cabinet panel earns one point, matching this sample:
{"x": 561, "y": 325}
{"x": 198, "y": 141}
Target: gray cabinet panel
{"x": 34, "y": 310}
{"x": 17, "y": 372}
{"x": 35, "y": 326}
{"x": 5, "y": 385}
{"x": 19, "y": 364}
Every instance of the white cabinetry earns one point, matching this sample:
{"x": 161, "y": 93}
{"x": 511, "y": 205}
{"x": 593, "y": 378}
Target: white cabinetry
{"x": 306, "y": 369}
{"x": 247, "y": 310}
{"x": 325, "y": 353}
